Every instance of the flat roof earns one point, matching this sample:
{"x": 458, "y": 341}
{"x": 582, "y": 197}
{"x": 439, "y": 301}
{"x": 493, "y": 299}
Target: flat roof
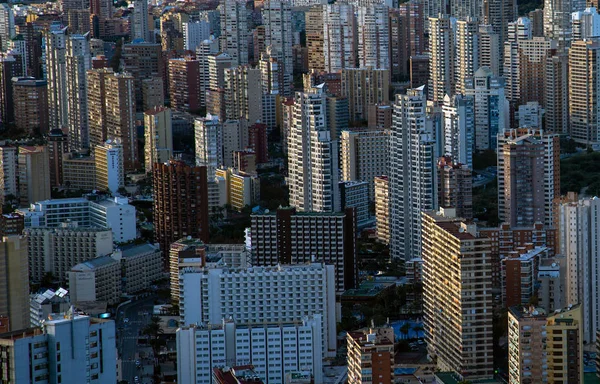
{"x": 133, "y": 250}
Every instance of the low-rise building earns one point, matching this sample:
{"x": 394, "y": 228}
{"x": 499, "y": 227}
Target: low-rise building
{"x": 79, "y": 172}
{"x": 97, "y": 279}
{"x": 141, "y": 265}
{"x": 43, "y": 304}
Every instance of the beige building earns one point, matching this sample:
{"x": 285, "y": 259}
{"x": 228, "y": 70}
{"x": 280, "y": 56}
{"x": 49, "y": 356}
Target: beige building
{"x": 243, "y": 93}
{"x": 30, "y": 98}
{"x": 14, "y": 282}
{"x": 364, "y": 87}
{"x": 441, "y": 58}
{"x": 153, "y": 93}
{"x": 314, "y": 39}
{"x": 79, "y": 172}
{"x": 457, "y": 295}
{"x": 545, "y": 346}
{"x": 584, "y": 59}
{"x": 242, "y": 189}
{"x": 158, "y": 143}
{"x": 97, "y": 279}
{"x": 34, "y": 174}
{"x": 184, "y": 252}
{"x": 364, "y": 155}
{"x": 57, "y": 250}
{"x": 371, "y": 355}
{"x": 382, "y": 208}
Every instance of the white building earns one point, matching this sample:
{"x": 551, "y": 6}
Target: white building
{"x": 277, "y": 16}
{"x": 110, "y": 173}
{"x": 57, "y": 250}
{"x": 209, "y": 144}
{"x": 578, "y": 237}
{"x": 373, "y": 37}
{"x": 257, "y": 295}
{"x": 195, "y": 33}
{"x": 530, "y": 115}
{"x": 355, "y": 194}
{"x": 78, "y": 61}
{"x": 586, "y": 24}
{"x": 364, "y": 155}
{"x": 312, "y": 155}
{"x": 158, "y": 134}
{"x": 43, "y": 304}
{"x": 459, "y": 129}
{"x": 557, "y": 21}
{"x": 56, "y": 75}
{"x": 273, "y": 349}
{"x": 491, "y": 107}
{"x": 412, "y": 184}
{"x": 467, "y": 52}
{"x": 7, "y": 25}
{"x": 93, "y": 211}
{"x": 441, "y": 59}
{"x": 234, "y": 31}
{"x": 339, "y": 37}
{"x": 141, "y": 266}
{"x": 206, "y": 48}
{"x": 139, "y": 24}
{"x": 64, "y": 350}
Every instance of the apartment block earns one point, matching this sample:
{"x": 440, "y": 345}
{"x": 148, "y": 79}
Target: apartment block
{"x": 158, "y": 143}
{"x": 242, "y": 189}
{"x": 184, "y": 84}
{"x": 455, "y": 187}
{"x": 65, "y": 348}
{"x": 30, "y": 98}
{"x": 141, "y": 266}
{"x": 382, "y": 208}
{"x": 34, "y": 174}
{"x": 520, "y": 274}
{"x": 364, "y": 87}
{"x": 273, "y": 350}
{"x": 96, "y": 280}
{"x": 355, "y": 195}
{"x": 456, "y": 260}
{"x": 14, "y": 282}
{"x": 290, "y": 237}
{"x": 371, "y": 355}
{"x": 79, "y": 172}
{"x": 110, "y": 166}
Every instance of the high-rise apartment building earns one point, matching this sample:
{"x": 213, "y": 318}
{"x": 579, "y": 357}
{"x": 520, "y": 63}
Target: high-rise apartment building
{"x": 57, "y": 147}
{"x": 7, "y": 71}
{"x": 30, "y": 100}
{"x": 234, "y": 31}
{"x": 158, "y": 141}
{"x": 180, "y": 203}
{"x": 205, "y": 49}
{"x": 314, "y": 38}
{"x": 578, "y": 231}
{"x": 8, "y": 171}
{"x": 276, "y": 16}
{"x": 528, "y": 176}
{"x": 243, "y": 93}
{"x": 411, "y": 173}
{"x": 34, "y": 174}
{"x": 56, "y": 75}
{"x": 373, "y": 37}
{"x": 490, "y": 49}
{"x": 585, "y": 24}
{"x": 557, "y": 21}
{"x": 57, "y": 349}
{"x": 490, "y": 105}
{"x": 209, "y": 144}
{"x": 455, "y": 187}
{"x": 7, "y": 26}
{"x": 184, "y": 84}
{"x": 584, "y": 108}
{"x": 110, "y": 169}
{"x": 78, "y": 61}
{"x": 363, "y": 87}
{"x": 312, "y": 160}
{"x": 441, "y": 59}
{"x": 382, "y": 209}
{"x": 467, "y": 52}
{"x": 153, "y": 93}
{"x": 375, "y": 345}
{"x": 458, "y": 326}
{"x": 139, "y": 24}
{"x": 195, "y": 32}
{"x": 14, "y": 281}
{"x": 111, "y": 112}
{"x": 339, "y": 37}
{"x": 144, "y": 60}
{"x": 556, "y": 100}
{"x": 541, "y": 346}
{"x": 459, "y": 128}
{"x": 407, "y": 37}
{"x": 364, "y": 156}
{"x": 290, "y": 237}
{"x": 499, "y": 13}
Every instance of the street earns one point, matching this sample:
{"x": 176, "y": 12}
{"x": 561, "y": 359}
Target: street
{"x": 128, "y": 334}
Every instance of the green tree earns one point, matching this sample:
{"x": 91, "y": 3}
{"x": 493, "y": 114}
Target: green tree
{"x": 404, "y": 330}
{"x": 153, "y": 330}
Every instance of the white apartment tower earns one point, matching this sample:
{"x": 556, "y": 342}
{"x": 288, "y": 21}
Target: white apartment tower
{"x": 441, "y": 59}
{"x": 459, "y": 128}
{"x": 373, "y": 37}
{"x": 339, "y": 37}
{"x": 195, "y": 33}
{"x": 411, "y": 174}
{"x": 56, "y": 74}
{"x": 312, "y": 155}
{"x": 110, "y": 173}
{"x": 557, "y": 22}
{"x": 579, "y": 234}
{"x": 234, "y": 30}
{"x": 139, "y": 26}
{"x": 78, "y": 62}
{"x": 158, "y": 128}
{"x": 206, "y": 48}
{"x": 277, "y": 16}
{"x": 490, "y": 49}
{"x": 209, "y": 144}
{"x": 467, "y": 52}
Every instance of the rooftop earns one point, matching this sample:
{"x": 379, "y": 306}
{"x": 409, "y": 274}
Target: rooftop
{"x": 521, "y": 312}
{"x": 95, "y": 263}
{"x": 368, "y": 289}
{"x": 134, "y": 250}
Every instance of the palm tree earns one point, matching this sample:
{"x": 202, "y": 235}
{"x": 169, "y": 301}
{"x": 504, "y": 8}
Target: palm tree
{"x": 404, "y": 329}
{"x": 153, "y": 330}
{"x": 416, "y": 329}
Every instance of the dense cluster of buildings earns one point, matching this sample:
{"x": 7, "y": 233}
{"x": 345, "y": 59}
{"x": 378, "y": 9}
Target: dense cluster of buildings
{"x": 358, "y": 116}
